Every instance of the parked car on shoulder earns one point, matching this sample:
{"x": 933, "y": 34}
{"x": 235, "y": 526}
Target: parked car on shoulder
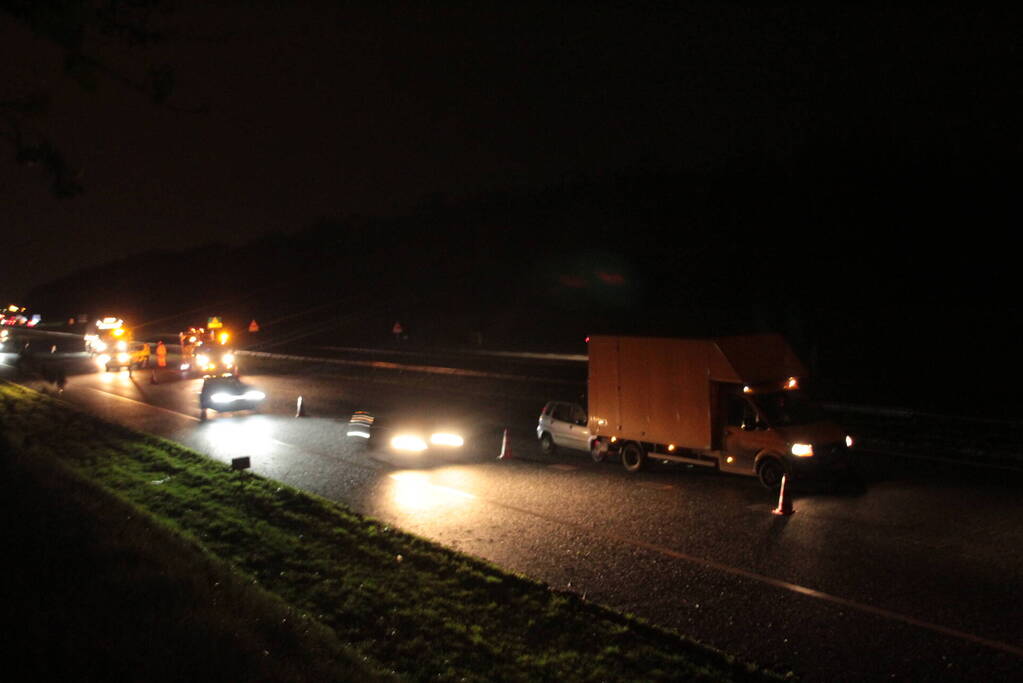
{"x": 563, "y": 424}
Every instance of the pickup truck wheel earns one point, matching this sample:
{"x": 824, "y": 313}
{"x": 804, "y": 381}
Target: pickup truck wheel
{"x": 597, "y": 453}
{"x": 770, "y": 472}
{"x": 633, "y": 457}
{"x": 547, "y": 444}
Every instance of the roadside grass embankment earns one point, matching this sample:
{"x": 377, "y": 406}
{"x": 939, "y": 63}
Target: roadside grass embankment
{"x": 147, "y": 561}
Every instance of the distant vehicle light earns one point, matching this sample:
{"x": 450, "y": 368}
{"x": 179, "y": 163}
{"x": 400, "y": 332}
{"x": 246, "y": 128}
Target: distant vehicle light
{"x": 203, "y": 360}
{"x": 408, "y": 442}
{"x": 802, "y": 450}
{"x": 849, "y": 442}
{"x": 671, "y": 448}
{"x": 122, "y": 345}
{"x": 103, "y": 360}
{"x": 185, "y": 366}
{"x": 360, "y": 434}
{"x": 792, "y": 383}
{"x": 746, "y": 389}
{"x": 228, "y": 359}
{"x": 99, "y": 346}
{"x": 446, "y": 439}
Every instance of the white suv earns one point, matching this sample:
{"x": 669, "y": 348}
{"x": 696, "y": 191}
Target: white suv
{"x": 563, "y": 425}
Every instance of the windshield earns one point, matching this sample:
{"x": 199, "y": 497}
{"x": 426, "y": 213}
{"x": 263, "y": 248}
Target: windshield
{"x": 783, "y": 408}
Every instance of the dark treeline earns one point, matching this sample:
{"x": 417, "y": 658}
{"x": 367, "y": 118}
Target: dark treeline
{"x": 886, "y": 286}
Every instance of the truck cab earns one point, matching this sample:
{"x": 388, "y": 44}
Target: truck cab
{"x": 777, "y": 431}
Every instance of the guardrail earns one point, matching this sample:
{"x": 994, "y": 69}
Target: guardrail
{"x": 387, "y": 365}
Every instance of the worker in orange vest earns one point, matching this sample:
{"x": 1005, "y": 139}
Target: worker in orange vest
{"x": 161, "y": 354}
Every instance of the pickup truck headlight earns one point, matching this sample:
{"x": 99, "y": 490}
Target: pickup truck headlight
{"x": 802, "y": 450}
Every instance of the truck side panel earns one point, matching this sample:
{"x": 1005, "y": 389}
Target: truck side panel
{"x": 650, "y": 389}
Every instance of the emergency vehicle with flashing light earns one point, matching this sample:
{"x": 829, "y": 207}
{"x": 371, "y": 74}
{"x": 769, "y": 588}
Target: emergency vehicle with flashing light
{"x": 207, "y": 352}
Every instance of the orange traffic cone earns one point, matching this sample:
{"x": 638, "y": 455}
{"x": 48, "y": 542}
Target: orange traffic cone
{"x": 784, "y": 499}
{"x": 506, "y": 451}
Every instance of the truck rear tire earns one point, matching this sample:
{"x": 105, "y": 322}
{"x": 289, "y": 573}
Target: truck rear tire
{"x": 597, "y": 453}
{"x": 633, "y": 457}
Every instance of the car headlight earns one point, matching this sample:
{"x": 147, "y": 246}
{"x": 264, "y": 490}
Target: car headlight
{"x": 122, "y": 345}
{"x": 202, "y": 359}
{"x": 99, "y": 346}
{"x": 253, "y": 395}
{"x": 408, "y": 442}
{"x": 446, "y": 439}
{"x": 228, "y": 359}
{"x": 222, "y": 398}
{"x": 123, "y": 358}
{"x": 802, "y": 450}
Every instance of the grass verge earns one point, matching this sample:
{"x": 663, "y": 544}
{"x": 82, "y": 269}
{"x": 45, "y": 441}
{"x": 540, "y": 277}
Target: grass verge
{"x": 229, "y": 553}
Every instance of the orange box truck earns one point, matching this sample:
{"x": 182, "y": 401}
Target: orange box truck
{"x": 731, "y": 403}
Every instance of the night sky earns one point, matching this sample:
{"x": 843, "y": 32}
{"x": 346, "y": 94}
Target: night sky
{"x": 283, "y": 113}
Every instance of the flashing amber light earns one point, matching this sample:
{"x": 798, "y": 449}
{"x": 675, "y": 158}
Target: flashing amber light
{"x": 614, "y": 439}
{"x": 14, "y": 309}
{"x": 792, "y": 383}
{"x": 224, "y": 336}
{"x": 729, "y": 460}
{"x": 671, "y": 447}
{"x": 119, "y": 331}
{"x": 746, "y": 389}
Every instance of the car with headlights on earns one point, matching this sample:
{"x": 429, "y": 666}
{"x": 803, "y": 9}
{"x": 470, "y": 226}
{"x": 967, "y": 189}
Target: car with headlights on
{"x": 409, "y": 437}
{"x": 227, "y": 394}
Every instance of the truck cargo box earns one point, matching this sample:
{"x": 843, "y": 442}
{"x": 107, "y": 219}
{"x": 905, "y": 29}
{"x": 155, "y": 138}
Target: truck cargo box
{"x": 659, "y": 390}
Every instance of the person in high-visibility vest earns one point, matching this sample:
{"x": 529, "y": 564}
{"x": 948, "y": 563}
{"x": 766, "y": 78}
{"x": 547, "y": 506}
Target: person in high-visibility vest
{"x": 161, "y": 354}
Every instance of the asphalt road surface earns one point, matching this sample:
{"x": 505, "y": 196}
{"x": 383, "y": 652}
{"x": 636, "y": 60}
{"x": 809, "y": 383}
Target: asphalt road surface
{"x": 904, "y": 577}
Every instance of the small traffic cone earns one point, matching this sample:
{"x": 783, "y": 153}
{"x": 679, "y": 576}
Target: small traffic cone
{"x": 784, "y": 499}
{"x": 299, "y": 408}
{"x": 506, "y": 450}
